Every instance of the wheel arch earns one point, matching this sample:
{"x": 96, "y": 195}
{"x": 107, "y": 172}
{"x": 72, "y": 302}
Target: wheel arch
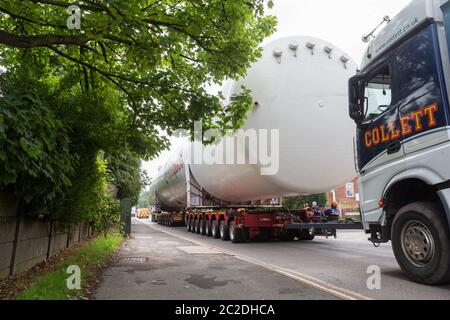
{"x": 414, "y": 186}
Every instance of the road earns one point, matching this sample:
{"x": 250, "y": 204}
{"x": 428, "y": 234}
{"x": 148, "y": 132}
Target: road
{"x": 336, "y": 264}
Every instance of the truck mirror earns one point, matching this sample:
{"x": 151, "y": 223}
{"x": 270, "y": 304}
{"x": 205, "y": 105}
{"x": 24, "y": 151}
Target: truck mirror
{"x": 356, "y": 108}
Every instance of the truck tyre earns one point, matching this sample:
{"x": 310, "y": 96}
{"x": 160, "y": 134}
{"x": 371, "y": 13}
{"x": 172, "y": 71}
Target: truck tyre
{"x": 421, "y": 243}
{"x": 196, "y": 226}
{"x": 215, "y": 230}
{"x": 305, "y": 236}
{"x": 263, "y": 234}
{"x": 203, "y": 228}
{"x": 192, "y": 224}
{"x": 208, "y": 229}
{"x": 188, "y": 225}
{"x": 289, "y": 235}
{"x": 237, "y": 235}
{"x": 224, "y": 231}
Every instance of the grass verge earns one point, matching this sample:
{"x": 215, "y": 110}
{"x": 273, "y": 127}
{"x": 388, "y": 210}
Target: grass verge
{"x": 90, "y": 259}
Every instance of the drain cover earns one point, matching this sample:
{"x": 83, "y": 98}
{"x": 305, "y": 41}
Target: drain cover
{"x": 133, "y": 260}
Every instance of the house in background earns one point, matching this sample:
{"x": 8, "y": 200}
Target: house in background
{"x": 347, "y": 196}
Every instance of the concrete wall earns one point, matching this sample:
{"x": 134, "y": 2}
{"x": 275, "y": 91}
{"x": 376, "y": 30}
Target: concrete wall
{"x": 36, "y": 239}
{"x": 7, "y": 230}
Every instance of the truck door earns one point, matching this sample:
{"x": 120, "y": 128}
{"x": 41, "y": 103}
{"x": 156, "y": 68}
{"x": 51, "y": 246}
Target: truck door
{"x": 422, "y": 111}
{"x": 379, "y": 137}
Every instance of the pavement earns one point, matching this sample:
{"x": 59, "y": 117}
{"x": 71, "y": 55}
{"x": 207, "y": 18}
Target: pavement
{"x": 339, "y": 266}
{"x": 155, "y": 265}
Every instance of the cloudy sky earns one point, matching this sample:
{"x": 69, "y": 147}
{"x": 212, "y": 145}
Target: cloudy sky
{"x": 340, "y": 22}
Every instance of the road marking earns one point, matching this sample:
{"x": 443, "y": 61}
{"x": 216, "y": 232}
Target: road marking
{"x": 312, "y": 282}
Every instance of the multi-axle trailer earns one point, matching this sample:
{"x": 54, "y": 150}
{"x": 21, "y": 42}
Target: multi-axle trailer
{"x": 240, "y": 225}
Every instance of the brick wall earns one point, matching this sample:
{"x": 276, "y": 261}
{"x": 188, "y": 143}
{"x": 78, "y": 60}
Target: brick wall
{"x": 347, "y": 202}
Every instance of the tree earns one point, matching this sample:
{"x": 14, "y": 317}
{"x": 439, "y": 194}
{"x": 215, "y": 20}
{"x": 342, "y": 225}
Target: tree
{"x": 125, "y": 173}
{"x": 81, "y": 108}
{"x": 144, "y": 200}
{"x": 158, "y": 55}
{"x": 35, "y": 157}
{"x": 297, "y": 203}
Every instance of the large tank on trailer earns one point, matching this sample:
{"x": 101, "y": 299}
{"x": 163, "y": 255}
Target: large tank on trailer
{"x": 300, "y": 87}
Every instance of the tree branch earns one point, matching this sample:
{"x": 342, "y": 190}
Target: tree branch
{"x": 20, "y": 41}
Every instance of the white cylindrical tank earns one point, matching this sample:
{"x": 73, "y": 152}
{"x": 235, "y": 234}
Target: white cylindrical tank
{"x": 300, "y": 89}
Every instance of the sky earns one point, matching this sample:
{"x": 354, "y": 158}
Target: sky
{"x": 342, "y": 23}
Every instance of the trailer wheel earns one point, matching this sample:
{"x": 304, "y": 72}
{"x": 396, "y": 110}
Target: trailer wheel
{"x": 421, "y": 243}
{"x": 215, "y": 230}
{"x": 237, "y": 235}
{"x": 208, "y": 229}
{"x": 195, "y": 226}
{"x": 203, "y": 228}
{"x": 304, "y": 235}
{"x": 224, "y": 231}
{"x": 188, "y": 225}
{"x": 198, "y": 224}
{"x": 192, "y": 223}
{"x": 264, "y": 234}
{"x": 289, "y": 235}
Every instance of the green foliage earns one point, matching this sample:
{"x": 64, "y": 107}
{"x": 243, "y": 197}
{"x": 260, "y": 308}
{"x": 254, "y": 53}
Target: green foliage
{"x": 35, "y": 160}
{"x": 87, "y": 198}
{"x": 125, "y": 173}
{"x": 298, "y": 203}
{"x": 107, "y": 215}
{"x": 144, "y": 200}
{"x": 136, "y": 70}
{"x": 157, "y": 55}
{"x": 53, "y": 285}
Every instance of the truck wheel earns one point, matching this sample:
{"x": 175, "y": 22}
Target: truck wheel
{"x": 192, "y": 224}
{"x": 306, "y": 236}
{"x": 263, "y": 234}
{"x": 203, "y": 228}
{"x": 215, "y": 230}
{"x": 188, "y": 225}
{"x": 421, "y": 243}
{"x": 289, "y": 236}
{"x": 198, "y": 224}
{"x": 208, "y": 229}
{"x": 224, "y": 231}
{"x": 237, "y": 235}
{"x": 195, "y": 226}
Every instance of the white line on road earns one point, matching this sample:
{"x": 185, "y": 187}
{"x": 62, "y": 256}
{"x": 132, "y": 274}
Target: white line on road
{"x": 310, "y": 281}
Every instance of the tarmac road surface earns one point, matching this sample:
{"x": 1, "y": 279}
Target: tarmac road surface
{"x": 339, "y": 265}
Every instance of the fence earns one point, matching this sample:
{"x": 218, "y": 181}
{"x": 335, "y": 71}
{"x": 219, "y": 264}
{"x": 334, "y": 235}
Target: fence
{"x": 25, "y": 241}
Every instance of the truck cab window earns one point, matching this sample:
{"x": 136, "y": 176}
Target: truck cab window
{"x": 378, "y": 94}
